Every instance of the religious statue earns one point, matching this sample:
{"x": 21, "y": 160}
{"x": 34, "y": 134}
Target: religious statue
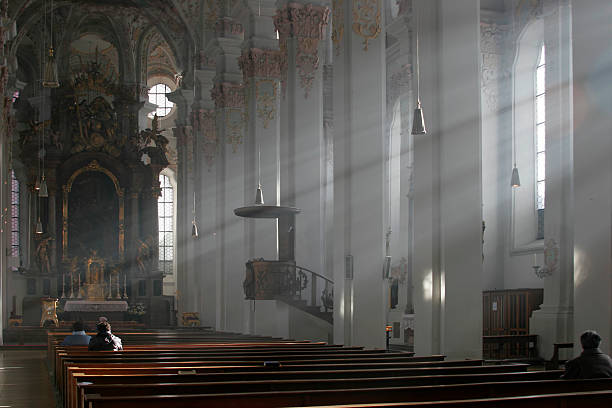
{"x": 42, "y": 255}
{"x": 95, "y": 268}
{"x": 144, "y": 254}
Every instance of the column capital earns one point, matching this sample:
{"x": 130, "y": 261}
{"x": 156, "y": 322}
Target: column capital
{"x": 256, "y": 62}
{"x": 304, "y": 23}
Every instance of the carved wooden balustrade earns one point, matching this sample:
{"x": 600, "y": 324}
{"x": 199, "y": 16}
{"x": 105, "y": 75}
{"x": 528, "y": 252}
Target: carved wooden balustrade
{"x": 290, "y": 283}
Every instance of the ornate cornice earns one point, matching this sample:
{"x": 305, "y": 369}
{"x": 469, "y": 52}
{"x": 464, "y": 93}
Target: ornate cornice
{"x": 255, "y": 62}
{"x": 305, "y": 23}
{"x": 228, "y": 95}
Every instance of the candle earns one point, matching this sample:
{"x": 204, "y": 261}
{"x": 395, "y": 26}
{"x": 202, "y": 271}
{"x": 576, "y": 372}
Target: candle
{"x": 535, "y": 259}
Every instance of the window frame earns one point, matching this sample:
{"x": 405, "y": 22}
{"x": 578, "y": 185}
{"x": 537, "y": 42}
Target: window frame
{"x": 167, "y": 173}
{"x": 524, "y": 214}
{"x": 171, "y": 108}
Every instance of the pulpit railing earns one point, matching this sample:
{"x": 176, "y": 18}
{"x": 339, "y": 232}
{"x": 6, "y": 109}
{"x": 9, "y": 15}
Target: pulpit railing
{"x": 291, "y": 283}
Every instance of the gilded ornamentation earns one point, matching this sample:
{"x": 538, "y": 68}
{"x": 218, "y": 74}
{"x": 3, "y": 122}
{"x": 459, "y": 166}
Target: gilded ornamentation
{"x": 235, "y": 120}
{"x": 96, "y": 128}
{"x": 256, "y": 62}
{"x": 366, "y": 20}
{"x": 305, "y": 23}
{"x": 337, "y": 24}
{"x": 266, "y": 95}
{"x": 204, "y": 122}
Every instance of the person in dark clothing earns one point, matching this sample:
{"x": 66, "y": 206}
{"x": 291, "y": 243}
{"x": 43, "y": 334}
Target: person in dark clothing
{"x": 105, "y": 340}
{"x": 78, "y": 336}
{"x": 592, "y": 363}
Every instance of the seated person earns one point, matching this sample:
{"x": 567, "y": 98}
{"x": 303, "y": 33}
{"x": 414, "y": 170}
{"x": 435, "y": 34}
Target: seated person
{"x": 592, "y": 363}
{"x": 78, "y": 336}
{"x": 105, "y": 340}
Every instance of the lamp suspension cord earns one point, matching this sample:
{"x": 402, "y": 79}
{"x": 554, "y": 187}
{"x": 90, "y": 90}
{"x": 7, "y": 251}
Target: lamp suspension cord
{"x": 258, "y": 164}
{"x": 418, "y": 72}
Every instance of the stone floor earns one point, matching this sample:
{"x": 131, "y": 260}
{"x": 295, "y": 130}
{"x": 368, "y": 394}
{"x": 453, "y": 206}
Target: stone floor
{"x": 24, "y": 380}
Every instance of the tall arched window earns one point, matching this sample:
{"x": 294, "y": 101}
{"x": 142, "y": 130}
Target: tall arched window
{"x": 540, "y": 147}
{"x": 165, "y": 211}
{"x": 528, "y": 133}
{"x": 15, "y": 230}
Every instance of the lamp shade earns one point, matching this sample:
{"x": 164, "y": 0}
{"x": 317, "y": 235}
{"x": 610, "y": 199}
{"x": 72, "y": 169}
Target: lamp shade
{"x": 44, "y": 191}
{"x": 259, "y": 196}
{"x": 50, "y": 79}
{"x": 37, "y": 184}
{"x": 39, "y": 228}
{"x": 515, "y": 180}
{"x": 194, "y": 229}
{"x": 418, "y": 121}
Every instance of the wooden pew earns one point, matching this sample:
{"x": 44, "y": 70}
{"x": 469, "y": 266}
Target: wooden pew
{"x": 497, "y": 391}
{"x": 294, "y": 372}
{"x": 142, "y": 385}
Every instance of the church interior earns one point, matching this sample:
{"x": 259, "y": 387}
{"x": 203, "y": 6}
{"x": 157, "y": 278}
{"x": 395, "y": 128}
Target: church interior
{"x": 427, "y": 177}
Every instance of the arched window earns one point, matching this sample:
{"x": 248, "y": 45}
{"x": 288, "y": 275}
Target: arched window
{"x": 528, "y": 133}
{"x": 540, "y": 140}
{"x": 165, "y": 212}
{"x": 157, "y": 96}
{"x": 15, "y": 230}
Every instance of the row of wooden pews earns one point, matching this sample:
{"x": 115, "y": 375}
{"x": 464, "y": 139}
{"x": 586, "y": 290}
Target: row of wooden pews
{"x": 230, "y": 370}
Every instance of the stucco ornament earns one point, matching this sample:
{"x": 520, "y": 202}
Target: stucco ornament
{"x": 366, "y": 20}
{"x": 305, "y": 23}
{"x": 204, "y": 124}
{"x": 266, "y": 95}
{"x": 337, "y": 24}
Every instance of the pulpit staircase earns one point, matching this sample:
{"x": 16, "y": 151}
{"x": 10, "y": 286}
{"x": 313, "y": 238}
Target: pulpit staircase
{"x": 292, "y": 284}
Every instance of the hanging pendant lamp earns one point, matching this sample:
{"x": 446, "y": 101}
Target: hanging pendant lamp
{"x": 50, "y": 79}
{"x": 44, "y": 191}
{"x": 259, "y": 200}
{"x": 515, "y": 180}
{"x": 194, "y": 225}
{"x": 418, "y": 121}
{"x": 39, "y": 228}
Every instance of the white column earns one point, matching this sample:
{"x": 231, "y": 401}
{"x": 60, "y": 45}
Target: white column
{"x": 359, "y": 174}
{"x": 461, "y": 179}
{"x": 302, "y": 133}
{"x": 592, "y": 117}
{"x": 425, "y": 262}
{"x": 341, "y": 18}
{"x": 448, "y": 249}
{"x": 554, "y": 321}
